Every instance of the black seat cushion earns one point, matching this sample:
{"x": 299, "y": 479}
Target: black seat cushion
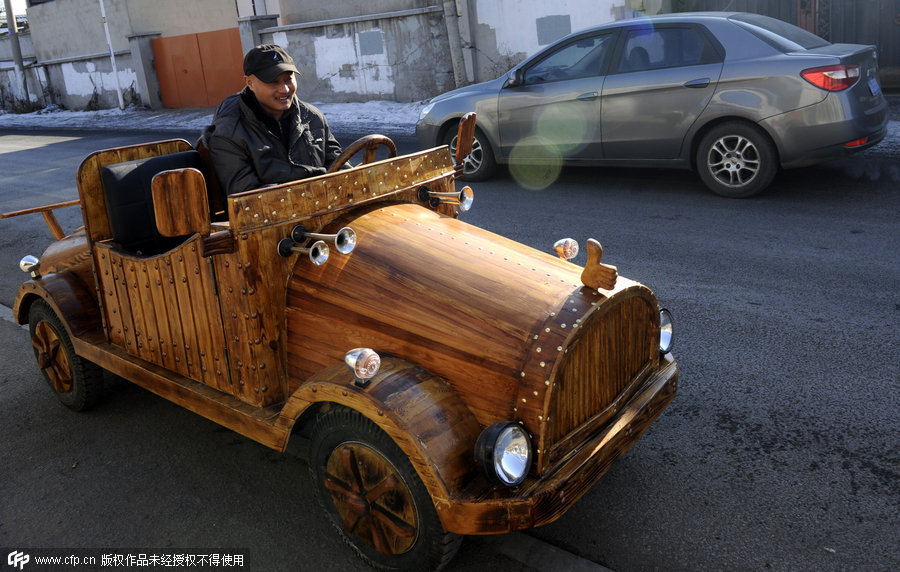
{"x": 129, "y": 201}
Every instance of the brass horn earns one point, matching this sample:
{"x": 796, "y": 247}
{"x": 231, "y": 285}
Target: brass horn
{"x": 463, "y": 199}
{"x": 318, "y": 252}
{"x": 344, "y": 240}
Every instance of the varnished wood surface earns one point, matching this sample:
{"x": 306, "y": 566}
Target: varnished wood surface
{"x": 541, "y": 501}
{"x": 331, "y": 194}
{"x": 69, "y": 254}
{"x": 369, "y": 144}
{"x": 596, "y": 274}
{"x": 420, "y": 412}
{"x": 465, "y": 137}
{"x": 495, "y": 330}
{"x": 163, "y": 309}
{"x": 371, "y": 498}
{"x": 253, "y": 422}
{"x": 180, "y": 202}
{"x": 69, "y": 296}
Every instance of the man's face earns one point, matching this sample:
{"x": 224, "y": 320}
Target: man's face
{"x": 275, "y": 97}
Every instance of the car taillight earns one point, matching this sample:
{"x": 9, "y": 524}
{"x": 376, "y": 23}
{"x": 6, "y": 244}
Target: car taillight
{"x": 832, "y": 78}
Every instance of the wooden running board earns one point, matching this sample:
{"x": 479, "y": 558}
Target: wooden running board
{"x": 253, "y": 422}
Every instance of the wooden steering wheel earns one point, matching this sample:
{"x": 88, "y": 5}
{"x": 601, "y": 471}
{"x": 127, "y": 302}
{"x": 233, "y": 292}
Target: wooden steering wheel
{"x": 370, "y": 144}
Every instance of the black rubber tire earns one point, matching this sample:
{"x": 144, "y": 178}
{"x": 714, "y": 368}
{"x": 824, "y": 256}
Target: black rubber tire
{"x": 736, "y": 160}
{"x": 480, "y": 164}
{"x": 77, "y": 382}
{"x": 347, "y": 438}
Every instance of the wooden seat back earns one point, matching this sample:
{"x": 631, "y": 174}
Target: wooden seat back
{"x": 90, "y": 188}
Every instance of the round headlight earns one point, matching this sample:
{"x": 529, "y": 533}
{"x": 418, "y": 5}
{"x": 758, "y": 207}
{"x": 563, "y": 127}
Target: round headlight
{"x": 425, "y": 111}
{"x": 665, "y": 331}
{"x": 503, "y": 453}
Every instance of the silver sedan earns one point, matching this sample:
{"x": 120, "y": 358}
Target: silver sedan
{"x": 733, "y": 96}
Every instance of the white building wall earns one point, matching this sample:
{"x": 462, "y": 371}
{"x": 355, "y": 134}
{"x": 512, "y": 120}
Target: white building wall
{"x": 504, "y": 32}
{"x": 516, "y": 22}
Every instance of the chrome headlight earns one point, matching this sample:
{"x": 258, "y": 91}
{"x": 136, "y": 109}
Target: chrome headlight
{"x": 503, "y": 453}
{"x": 665, "y": 331}
{"x": 425, "y": 111}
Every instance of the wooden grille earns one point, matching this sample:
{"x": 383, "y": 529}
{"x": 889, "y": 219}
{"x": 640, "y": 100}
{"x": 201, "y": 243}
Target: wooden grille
{"x": 602, "y": 366}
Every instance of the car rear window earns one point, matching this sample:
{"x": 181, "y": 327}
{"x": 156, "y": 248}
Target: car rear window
{"x": 780, "y": 35}
{"x": 664, "y": 47}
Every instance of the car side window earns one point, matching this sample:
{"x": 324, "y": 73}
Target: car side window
{"x": 663, "y": 48}
{"x": 583, "y": 57}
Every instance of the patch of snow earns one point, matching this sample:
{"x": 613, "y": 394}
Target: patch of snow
{"x": 370, "y": 116}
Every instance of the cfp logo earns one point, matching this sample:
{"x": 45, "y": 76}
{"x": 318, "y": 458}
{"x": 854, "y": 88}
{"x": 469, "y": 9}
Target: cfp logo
{"x": 18, "y": 559}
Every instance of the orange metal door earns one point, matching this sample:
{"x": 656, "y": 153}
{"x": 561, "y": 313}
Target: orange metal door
{"x": 198, "y": 70}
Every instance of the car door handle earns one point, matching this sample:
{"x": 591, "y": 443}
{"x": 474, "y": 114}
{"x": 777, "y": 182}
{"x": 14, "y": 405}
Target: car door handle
{"x": 701, "y": 82}
{"x": 588, "y": 96}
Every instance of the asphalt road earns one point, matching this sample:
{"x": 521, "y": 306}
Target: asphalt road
{"x": 779, "y": 452}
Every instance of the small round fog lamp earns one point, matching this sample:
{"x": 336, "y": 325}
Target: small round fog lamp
{"x": 503, "y": 453}
{"x": 566, "y": 248}
{"x": 364, "y": 363}
{"x": 665, "y": 331}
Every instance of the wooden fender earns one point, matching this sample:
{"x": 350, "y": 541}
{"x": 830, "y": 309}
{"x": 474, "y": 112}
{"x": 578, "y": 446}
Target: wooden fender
{"x": 66, "y": 272}
{"x": 418, "y": 410}
{"x": 69, "y": 297}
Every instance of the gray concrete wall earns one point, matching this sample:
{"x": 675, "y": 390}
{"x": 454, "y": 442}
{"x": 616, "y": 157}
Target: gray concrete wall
{"x": 6, "y": 51}
{"x": 71, "y": 28}
{"x": 13, "y": 91}
{"x": 397, "y": 56}
{"x": 302, "y": 11}
{"x": 89, "y": 83}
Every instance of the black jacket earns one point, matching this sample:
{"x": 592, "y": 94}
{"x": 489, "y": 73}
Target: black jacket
{"x": 247, "y": 152}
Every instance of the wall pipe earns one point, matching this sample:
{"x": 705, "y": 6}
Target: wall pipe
{"x": 112, "y": 56}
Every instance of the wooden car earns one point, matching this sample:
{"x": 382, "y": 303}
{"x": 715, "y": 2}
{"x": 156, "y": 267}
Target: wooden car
{"x": 449, "y": 381}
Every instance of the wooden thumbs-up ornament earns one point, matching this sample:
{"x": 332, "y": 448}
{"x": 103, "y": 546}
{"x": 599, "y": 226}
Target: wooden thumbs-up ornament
{"x": 595, "y": 274}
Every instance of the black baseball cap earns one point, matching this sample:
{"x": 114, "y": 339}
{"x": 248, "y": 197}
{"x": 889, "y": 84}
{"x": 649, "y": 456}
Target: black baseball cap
{"x": 267, "y": 62}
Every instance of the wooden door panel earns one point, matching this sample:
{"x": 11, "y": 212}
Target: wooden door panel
{"x": 222, "y": 60}
{"x": 198, "y": 70}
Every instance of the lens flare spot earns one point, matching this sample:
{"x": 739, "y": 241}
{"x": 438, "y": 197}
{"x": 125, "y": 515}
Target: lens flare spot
{"x": 535, "y": 164}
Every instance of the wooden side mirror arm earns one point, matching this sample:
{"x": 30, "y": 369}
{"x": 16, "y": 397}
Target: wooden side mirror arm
{"x": 465, "y": 137}
{"x": 221, "y": 242}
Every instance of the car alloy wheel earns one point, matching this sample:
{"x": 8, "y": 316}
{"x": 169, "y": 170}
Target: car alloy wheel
{"x": 736, "y": 160}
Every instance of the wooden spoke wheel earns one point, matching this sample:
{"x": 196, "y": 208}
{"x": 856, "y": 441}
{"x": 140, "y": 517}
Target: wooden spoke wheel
{"x": 77, "y": 382}
{"x": 369, "y": 144}
{"x": 373, "y": 496}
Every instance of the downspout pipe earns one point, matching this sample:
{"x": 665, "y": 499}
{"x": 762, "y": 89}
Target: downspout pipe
{"x": 451, "y": 20}
{"x": 13, "y": 28}
{"x": 112, "y": 56}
